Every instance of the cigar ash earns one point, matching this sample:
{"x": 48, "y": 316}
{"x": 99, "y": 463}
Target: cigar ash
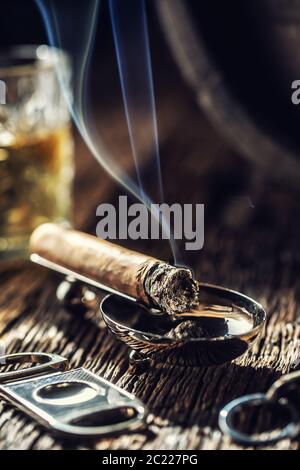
{"x": 234, "y": 322}
{"x": 172, "y": 289}
{"x": 187, "y": 329}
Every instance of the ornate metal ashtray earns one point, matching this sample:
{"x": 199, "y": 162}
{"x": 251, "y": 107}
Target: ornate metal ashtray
{"x": 229, "y": 325}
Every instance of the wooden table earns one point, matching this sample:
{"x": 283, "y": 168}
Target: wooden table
{"x": 251, "y": 244}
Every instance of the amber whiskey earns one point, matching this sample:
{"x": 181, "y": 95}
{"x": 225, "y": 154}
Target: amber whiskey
{"x": 36, "y": 173}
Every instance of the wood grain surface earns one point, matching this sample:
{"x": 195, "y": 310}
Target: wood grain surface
{"x": 251, "y": 244}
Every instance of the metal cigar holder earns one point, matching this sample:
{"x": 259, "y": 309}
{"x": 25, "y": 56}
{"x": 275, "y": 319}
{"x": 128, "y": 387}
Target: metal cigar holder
{"x": 146, "y": 331}
{"x": 282, "y": 398}
{"x": 70, "y": 403}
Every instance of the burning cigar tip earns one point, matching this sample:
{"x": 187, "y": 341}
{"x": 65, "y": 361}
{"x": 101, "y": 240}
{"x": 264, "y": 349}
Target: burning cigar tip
{"x": 172, "y": 289}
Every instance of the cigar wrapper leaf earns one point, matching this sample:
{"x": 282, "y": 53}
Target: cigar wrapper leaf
{"x": 149, "y": 280}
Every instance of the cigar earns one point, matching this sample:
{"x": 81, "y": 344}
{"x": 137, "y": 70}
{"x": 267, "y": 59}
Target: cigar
{"x": 151, "y": 281}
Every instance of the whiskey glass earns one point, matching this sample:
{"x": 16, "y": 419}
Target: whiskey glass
{"x": 36, "y": 145}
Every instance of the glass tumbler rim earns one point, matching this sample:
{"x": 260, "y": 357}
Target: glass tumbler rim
{"x": 30, "y": 59}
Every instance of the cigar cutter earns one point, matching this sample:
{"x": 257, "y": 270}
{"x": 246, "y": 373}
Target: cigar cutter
{"x": 70, "y": 403}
